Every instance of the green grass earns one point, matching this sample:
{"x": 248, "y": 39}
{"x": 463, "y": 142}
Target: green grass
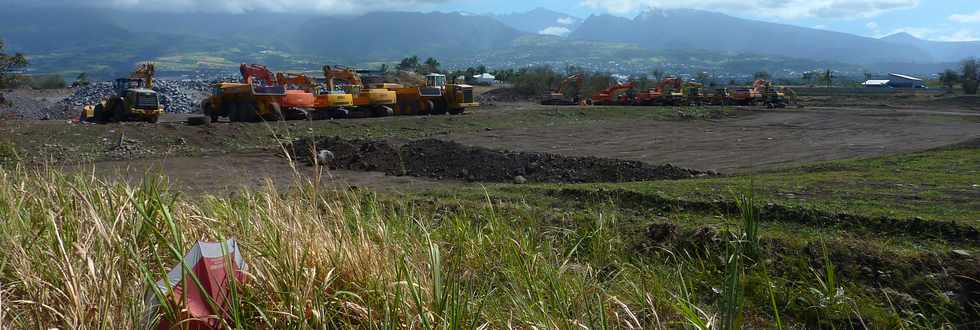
{"x": 80, "y": 254}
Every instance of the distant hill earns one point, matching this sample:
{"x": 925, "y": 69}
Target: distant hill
{"x": 541, "y": 21}
{"x": 696, "y": 29}
{"x": 938, "y": 50}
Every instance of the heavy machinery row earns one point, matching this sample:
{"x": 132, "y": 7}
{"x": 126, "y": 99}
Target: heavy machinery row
{"x": 671, "y": 91}
{"x": 262, "y": 95}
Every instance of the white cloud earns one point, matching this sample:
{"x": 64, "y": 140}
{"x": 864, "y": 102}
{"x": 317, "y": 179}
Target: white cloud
{"x": 560, "y": 31}
{"x": 566, "y": 21}
{"x": 872, "y": 26}
{"x": 788, "y": 9}
{"x": 960, "y": 35}
{"x": 238, "y": 6}
{"x": 966, "y": 18}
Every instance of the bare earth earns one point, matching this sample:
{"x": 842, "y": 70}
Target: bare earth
{"x": 753, "y": 140}
{"x": 762, "y": 140}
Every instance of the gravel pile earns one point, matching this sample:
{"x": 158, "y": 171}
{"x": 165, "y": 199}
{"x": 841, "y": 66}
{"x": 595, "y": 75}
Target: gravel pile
{"x": 449, "y": 160}
{"x": 176, "y": 96}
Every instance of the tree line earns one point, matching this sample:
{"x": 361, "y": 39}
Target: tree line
{"x": 968, "y": 77}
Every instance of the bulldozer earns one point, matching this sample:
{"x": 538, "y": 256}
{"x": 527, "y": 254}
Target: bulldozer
{"x": 371, "y": 102}
{"x": 258, "y": 97}
{"x": 436, "y": 97}
{"x": 134, "y": 100}
{"x": 557, "y": 97}
{"x": 327, "y": 103}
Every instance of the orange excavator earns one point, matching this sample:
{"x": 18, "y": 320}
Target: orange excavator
{"x": 557, "y": 97}
{"x": 258, "y": 97}
{"x": 614, "y": 95}
{"x": 373, "y": 102}
{"x": 668, "y": 91}
{"x": 325, "y": 103}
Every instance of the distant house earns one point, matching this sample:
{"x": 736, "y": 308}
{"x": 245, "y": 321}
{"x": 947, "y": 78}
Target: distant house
{"x": 902, "y": 81}
{"x": 896, "y": 81}
{"x": 484, "y": 79}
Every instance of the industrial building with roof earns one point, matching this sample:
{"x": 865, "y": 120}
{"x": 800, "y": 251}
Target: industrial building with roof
{"x": 896, "y": 81}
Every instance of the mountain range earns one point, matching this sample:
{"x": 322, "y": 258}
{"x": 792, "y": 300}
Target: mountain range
{"x": 109, "y": 42}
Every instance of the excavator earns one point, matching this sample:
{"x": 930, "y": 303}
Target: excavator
{"x": 614, "y": 95}
{"x": 374, "y": 102}
{"x": 327, "y": 103}
{"x": 258, "y": 97}
{"x": 436, "y": 97}
{"x": 694, "y": 94}
{"x": 668, "y": 91}
{"x": 557, "y": 97}
{"x": 134, "y": 100}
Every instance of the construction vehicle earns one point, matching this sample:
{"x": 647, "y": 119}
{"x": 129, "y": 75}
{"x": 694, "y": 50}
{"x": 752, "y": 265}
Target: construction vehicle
{"x": 721, "y": 97}
{"x": 134, "y": 100}
{"x": 744, "y": 96}
{"x": 257, "y": 97}
{"x": 693, "y": 94}
{"x": 374, "y": 102}
{"x": 614, "y": 95}
{"x": 768, "y": 95}
{"x": 669, "y": 91}
{"x": 436, "y": 97}
{"x": 326, "y": 103}
{"x": 557, "y": 97}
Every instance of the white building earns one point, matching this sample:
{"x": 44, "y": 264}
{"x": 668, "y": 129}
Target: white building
{"x": 484, "y": 79}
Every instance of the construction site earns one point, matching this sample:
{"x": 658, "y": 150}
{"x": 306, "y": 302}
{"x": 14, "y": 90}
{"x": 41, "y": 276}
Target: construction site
{"x": 845, "y": 210}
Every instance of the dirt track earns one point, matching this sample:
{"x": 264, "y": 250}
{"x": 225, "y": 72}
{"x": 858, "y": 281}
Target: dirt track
{"x": 760, "y": 140}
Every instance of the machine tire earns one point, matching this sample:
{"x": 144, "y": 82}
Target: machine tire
{"x": 153, "y": 119}
{"x": 457, "y": 111}
{"x": 118, "y": 107}
{"x": 277, "y": 114}
{"x": 249, "y": 113}
{"x": 440, "y": 108}
{"x": 233, "y": 114}
{"x": 339, "y": 113}
{"x": 383, "y": 111}
{"x": 207, "y": 108}
{"x": 100, "y": 115}
{"x": 199, "y": 121}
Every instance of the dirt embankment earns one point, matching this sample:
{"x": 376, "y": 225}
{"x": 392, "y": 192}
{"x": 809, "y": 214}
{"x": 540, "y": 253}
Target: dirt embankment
{"x": 449, "y": 160}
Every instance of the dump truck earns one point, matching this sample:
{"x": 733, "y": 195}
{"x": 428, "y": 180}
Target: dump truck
{"x": 557, "y": 97}
{"x": 372, "y": 102}
{"x": 436, "y": 97}
{"x": 258, "y": 97}
{"x": 614, "y": 95}
{"x": 327, "y": 102}
{"x": 134, "y": 100}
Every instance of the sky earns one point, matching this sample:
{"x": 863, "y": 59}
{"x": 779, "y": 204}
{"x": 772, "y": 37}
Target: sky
{"x": 943, "y": 20}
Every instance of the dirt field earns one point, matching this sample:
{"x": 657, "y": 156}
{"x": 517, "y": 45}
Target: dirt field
{"x": 759, "y": 140}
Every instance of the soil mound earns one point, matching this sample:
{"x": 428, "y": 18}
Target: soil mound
{"x": 449, "y": 160}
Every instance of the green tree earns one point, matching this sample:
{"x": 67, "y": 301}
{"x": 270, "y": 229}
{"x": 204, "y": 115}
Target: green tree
{"x": 971, "y": 76}
{"x": 481, "y": 69}
{"x": 431, "y": 65}
{"x": 828, "y": 77}
{"x": 409, "y": 64}
{"x": 949, "y": 78}
{"x": 702, "y": 77}
{"x": 81, "y": 80}
{"x": 9, "y": 64}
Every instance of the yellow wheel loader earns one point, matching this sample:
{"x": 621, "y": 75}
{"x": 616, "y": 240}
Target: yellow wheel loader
{"x": 134, "y": 100}
{"x": 436, "y": 97}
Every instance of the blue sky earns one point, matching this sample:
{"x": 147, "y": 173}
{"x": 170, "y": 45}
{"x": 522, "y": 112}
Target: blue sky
{"x": 948, "y": 20}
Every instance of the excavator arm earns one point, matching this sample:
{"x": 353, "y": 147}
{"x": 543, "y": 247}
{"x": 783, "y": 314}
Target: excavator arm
{"x": 296, "y": 79}
{"x": 145, "y": 72}
{"x": 577, "y": 79}
{"x": 250, "y": 72}
{"x": 333, "y": 73}
{"x": 674, "y": 84}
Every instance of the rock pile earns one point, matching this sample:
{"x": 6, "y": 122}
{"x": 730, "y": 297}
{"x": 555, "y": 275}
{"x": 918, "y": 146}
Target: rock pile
{"x": 176, "y": 96}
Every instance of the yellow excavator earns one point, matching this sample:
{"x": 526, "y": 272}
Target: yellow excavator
{"x": 373, "y": 102}
{"x": 134, "y": 100}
